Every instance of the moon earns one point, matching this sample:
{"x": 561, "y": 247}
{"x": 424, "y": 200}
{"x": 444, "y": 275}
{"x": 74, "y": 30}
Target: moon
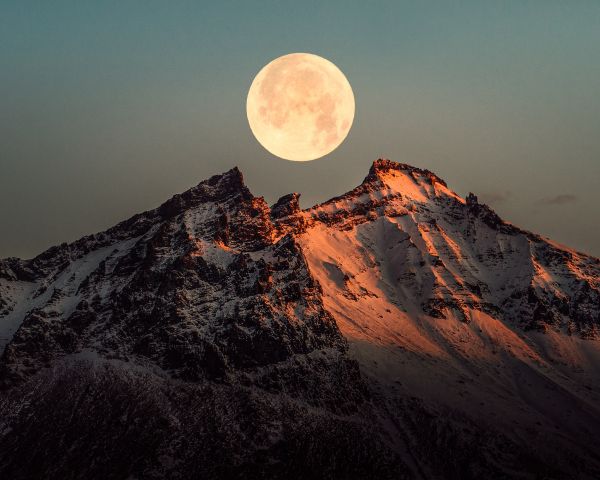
{"x": 300, "y": 107}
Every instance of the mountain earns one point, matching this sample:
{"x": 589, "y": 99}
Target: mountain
{"x": 396, "y": 331}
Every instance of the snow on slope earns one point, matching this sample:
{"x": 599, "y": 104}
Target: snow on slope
{"x": 57, "y": 295}
{"x": 15, "y": 296}
{"x": 441, "y": 299}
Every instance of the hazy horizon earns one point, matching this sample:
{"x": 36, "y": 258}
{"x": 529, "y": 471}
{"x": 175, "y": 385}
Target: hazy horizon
{"x": 110, "y": 109}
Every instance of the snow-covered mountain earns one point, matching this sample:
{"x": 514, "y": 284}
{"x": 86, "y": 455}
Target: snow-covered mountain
{"x": 396, "y": 331}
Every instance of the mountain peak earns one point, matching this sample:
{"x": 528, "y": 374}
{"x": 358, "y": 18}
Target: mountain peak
{"x": 222, "y": 185}
{"x": 216, "y": 188}
{"x": 382, "y": 167}
{"x": 287, "y": 205}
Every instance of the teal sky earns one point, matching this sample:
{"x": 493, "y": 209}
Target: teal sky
{"x": 109, "y": 108}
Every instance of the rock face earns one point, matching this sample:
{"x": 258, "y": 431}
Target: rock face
{"x": 396, "y": 331}
{"x": 204, "y": 291}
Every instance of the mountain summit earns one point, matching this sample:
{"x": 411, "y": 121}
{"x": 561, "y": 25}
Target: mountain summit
{"x": 396, "y": 331}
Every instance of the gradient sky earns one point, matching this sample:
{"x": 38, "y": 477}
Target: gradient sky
{"x": 109, "y": 108}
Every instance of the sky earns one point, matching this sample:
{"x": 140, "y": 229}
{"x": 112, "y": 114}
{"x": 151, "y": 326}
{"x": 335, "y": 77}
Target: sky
{"x": 109, "y": 108}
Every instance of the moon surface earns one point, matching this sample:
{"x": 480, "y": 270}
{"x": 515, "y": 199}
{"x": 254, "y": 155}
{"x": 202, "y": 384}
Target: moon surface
{"x": 300, "y": 107}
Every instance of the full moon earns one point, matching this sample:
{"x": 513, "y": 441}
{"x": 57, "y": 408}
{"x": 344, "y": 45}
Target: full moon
{"x": 300, "y": 107}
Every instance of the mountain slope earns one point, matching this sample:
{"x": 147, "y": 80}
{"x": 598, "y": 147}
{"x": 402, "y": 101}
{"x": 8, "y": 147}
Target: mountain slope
{"x": 442, "y": 300}
{"x": 396, "y": 331}
{"x": 205, "y": 286}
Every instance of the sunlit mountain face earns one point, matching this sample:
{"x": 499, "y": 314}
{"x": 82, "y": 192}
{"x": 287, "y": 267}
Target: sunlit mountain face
{"x": 396, "y": 331}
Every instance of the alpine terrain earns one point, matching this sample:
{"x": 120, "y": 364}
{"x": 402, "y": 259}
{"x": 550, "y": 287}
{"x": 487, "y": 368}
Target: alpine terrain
{"x": 398, "y": 331}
